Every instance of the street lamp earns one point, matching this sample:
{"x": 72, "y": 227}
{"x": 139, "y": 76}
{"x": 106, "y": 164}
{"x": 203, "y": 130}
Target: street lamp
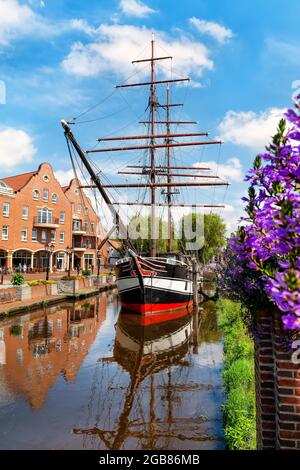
{"x": 69, "y": 250}
{"x": 49, "y": 248}
{"x": 98, "y": 262}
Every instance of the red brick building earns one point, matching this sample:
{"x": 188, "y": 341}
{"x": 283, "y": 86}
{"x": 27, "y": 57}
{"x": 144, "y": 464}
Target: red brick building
{"x": 36, "y": 212}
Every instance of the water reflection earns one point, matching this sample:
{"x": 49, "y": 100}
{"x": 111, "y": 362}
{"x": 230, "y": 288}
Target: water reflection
{"x": 153, "y": 409}
{"x": 100, "y": 379}
{"x": 42, "y": 348}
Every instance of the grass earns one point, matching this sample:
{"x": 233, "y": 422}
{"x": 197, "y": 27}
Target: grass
{"x": 238, "y": 374}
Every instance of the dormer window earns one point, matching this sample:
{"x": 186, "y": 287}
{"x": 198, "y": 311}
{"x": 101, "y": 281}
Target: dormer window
{"x": 54, "y": 197}
{"x": 36, "y": 195}
{"x": 45, "y": 194}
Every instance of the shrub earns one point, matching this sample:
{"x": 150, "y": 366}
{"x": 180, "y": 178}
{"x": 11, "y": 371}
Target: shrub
{"x": 15, "y": 330}
{"x": 86, "y": 272}
{"x": 33, "y": 283}
{"x": 17, "y": 279}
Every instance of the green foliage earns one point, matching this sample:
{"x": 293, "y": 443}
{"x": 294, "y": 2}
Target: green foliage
{"x": 238, "y": 374}
{"x": 86, "y": 272}
{"x": 17, "y": 279}
{"x": 142, "y": 225}
{"x": 214, "y": 234}
{"x": 39, "y": 282}
{"x": 15, "y": 330}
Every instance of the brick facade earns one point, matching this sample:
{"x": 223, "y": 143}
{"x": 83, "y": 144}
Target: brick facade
{"x": 36, "y": 211}
{"x": 277, "y": 387}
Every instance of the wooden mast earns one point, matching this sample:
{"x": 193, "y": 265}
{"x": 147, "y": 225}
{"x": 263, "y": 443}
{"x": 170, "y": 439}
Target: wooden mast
{"x": 151, "y": 146}
{"x": 169, "y": 179}
{"x": 153, "y": 242}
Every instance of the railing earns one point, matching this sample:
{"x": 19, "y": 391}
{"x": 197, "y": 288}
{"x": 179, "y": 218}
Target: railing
{"x": 46, "y": 220}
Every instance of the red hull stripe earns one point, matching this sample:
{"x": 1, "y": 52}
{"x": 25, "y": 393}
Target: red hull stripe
{"x": 146, "y": 320}
{"x": 150, "y": 308}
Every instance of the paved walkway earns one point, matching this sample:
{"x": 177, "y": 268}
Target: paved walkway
{"x": 19, "y": 305}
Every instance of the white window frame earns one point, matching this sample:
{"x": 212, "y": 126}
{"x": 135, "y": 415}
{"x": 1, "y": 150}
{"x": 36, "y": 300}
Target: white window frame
{"x": 5, "y": 237}
{"x": 24, "y": 238}
{"x": 92, "y": 227}
{"x": 79, "y": 208}
{"x": 62, "y": 237}
{"x": 54, "y": 198}
{"x": 5, "y": 213}
{"x": 34, "y": 239}
{"x": 36, "y": 194}
{"x": 62, "y": 217}
{"x": 86, "y": 211}
{"x": 53, "y": 235}
{"x": 45, "y": 191}
{"x": 44, "y": 232}
{"x": 25, "y": 217}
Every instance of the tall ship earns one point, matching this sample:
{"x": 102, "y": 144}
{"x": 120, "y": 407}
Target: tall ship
{"x": 150, "y": 282}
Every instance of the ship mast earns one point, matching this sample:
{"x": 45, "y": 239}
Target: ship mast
{"x": 169, "y": 190}
{"x": 153, "y": 142}
{"x": 153, "y": 241}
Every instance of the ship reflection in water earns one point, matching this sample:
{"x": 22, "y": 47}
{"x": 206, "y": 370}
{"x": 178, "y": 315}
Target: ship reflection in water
{"x": 86, "y": 376}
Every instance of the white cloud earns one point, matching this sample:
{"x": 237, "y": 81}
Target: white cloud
{"x": 14, "y": 19}
{"x": 231, "y": 170}
{"x": 16, "y": 146}
{"x": 19, "y": 20}
{"x": 119, "y": 44}
{"x": 215, "y": 30}
{"x": 135, "y": 8}
{"x": 64, "y": 176}
{"x": 250, "y": 129}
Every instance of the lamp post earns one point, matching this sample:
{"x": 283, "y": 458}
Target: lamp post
{"x": 49, "y": 248}
{"x": 69, "y": 250}
{"x": 98, "y": 262}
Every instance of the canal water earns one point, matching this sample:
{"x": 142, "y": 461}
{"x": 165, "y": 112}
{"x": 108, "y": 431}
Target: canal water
{"x": 86, "y": 376}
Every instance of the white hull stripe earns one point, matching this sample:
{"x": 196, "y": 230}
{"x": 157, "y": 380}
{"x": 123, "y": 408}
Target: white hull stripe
{"x": 170, "y": 285}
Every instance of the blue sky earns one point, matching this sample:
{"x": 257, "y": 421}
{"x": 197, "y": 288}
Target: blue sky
{"x": 60, "y": 57}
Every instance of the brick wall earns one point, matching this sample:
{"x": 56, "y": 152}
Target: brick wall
{"x": 277, "y": 387}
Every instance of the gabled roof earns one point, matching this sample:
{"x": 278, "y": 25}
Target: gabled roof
{"x": 19, "y": 181}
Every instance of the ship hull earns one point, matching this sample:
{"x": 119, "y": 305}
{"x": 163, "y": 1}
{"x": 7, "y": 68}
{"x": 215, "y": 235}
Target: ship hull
{"x": 148, "y": 287}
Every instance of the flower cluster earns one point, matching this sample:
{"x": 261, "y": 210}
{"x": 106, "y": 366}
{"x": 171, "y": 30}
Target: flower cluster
{"x": 267, "y": 247}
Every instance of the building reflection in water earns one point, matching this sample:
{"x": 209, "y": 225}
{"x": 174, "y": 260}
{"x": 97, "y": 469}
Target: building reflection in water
{"x": 35, "y": 352}
{"x": 156, "y": 408}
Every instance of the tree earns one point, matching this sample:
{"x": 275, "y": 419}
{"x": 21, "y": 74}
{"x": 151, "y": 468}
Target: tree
{"x": 211, "y": 238}
{"x": 139, "y": 231}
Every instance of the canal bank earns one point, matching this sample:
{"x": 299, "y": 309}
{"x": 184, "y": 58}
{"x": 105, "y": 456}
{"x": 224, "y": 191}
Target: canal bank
{"x": 83, "y": 375}
{"x": 22, "y": 306}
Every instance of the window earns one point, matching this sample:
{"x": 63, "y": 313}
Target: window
{"x": 54, "y": 197}
{"x": 45, "y": 194}
{"x": 53, "y": 235}
{"x": 86, "y": 211}
{"x": 62, "y": 237}
{"x": 79, "y": 208}
{"x": 92, "y": 227}
{"x": 5, "y": 209}
{"x": 44, "y": 236}
{"x": 44, "y": 215}
{"x": 34, "y": 235}
{"x": 25, "y": 212}
{"x": 24, "y": 234}
{"x": 4, "y": 232}
{"x": 76, "y": 225}
{"x": 46, "y": 178}
{"x": 85, "y": 226}
{"x": 36, "y": 195}
{"x": 62, "y": 218}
